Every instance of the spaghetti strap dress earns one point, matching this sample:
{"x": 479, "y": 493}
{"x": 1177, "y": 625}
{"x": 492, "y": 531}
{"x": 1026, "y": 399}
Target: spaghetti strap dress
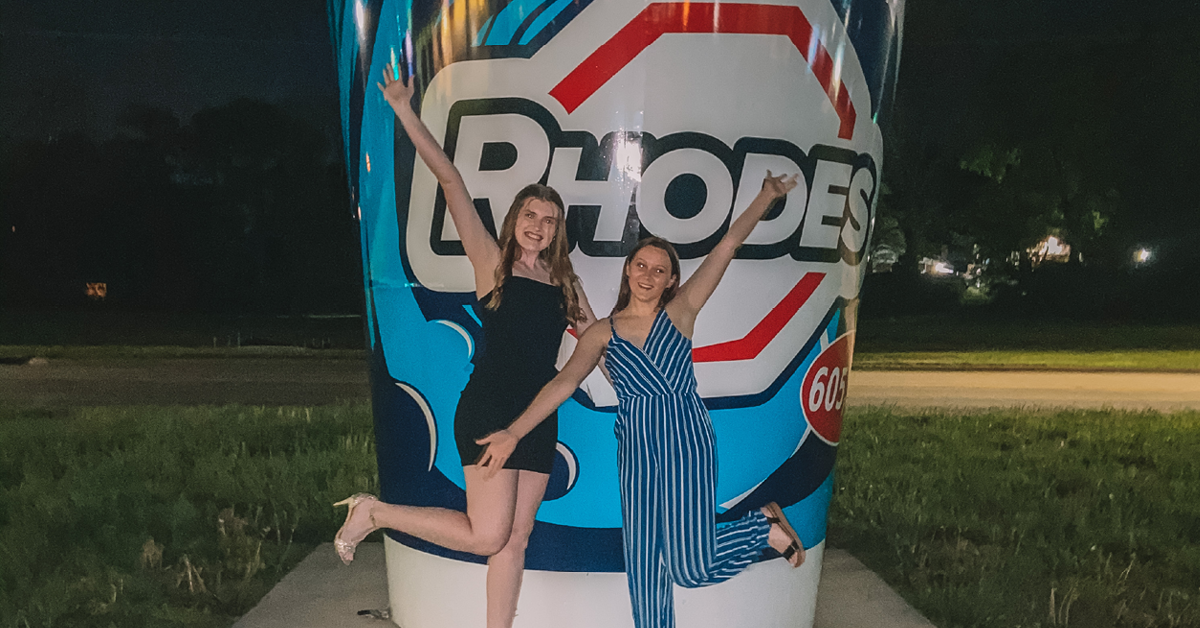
{"x": 667, "y": 468}
{"x": 520, "y": 346}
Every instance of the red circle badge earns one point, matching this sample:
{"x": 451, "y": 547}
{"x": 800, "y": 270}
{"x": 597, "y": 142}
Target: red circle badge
{"x": 823, "y": 394}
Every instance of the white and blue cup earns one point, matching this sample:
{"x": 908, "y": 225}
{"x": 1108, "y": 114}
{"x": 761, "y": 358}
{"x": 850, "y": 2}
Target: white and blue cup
{"x": 649, "y": 119}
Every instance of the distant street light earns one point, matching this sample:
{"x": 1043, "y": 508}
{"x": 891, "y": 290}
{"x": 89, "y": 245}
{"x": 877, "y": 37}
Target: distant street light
{"x": 1142, "y": 256}
{"x": 1050, "y": 249}
{"x": 930, "y": 266}
{"x": 1054, "y": 246}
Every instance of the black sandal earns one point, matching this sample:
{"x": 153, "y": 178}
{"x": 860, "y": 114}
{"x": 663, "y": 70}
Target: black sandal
{"x": 777, "y": 517}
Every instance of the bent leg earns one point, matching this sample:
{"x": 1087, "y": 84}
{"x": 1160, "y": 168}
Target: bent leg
{"x": 739, "y": 543}
{"x": 483, "y": 529}
{"x": 696, "y": 551}
{"x": 506, "y": 567}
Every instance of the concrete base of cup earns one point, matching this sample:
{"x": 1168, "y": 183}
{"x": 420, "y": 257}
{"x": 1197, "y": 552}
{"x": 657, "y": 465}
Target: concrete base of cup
{"x": 427, "y": 591}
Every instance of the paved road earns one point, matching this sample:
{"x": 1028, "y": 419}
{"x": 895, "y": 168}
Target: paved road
{"x": 311, "y": 381}
{"x": 982, "y": 389}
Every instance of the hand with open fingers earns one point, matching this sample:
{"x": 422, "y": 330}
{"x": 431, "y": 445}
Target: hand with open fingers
{"x": 398, "y": 93}
{"x": 497, "y": 447}
{"x": 780, "y": 185}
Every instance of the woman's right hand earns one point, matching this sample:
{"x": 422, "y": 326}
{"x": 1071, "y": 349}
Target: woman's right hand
{"x": 479, "y": 244}
{"x": 396, "y": 92}
{"x": 497, "y": 447}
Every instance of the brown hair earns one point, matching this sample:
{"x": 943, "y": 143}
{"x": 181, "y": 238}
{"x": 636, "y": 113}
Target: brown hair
{"x": 555, "y": 256}
{"x": 669, "y": 293}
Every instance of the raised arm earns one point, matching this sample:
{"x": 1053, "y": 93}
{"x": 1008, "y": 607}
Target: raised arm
{"x": 500, "y": 445}
{"x": 478, "y": 244}
{"x": 694, "y": 292}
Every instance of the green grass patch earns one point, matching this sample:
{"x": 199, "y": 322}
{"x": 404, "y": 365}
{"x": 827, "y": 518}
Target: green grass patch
{"x": 103, "y": 326}
{"x": 1021, "y": 519}
{"x": 149, "y": 516}
{"x": 957, "y": 342}
{"x": 1131, "y": 360}
{"x": 965, "y": 334}
{"x": 136, "y": 352}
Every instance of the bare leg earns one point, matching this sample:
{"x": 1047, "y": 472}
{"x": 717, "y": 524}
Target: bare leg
{"x": 506, "y": 568}
{"x": 483, "y": 529}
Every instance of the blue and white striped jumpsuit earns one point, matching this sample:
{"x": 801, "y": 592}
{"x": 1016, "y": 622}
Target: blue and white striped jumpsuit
{"x": 666, "y": 459}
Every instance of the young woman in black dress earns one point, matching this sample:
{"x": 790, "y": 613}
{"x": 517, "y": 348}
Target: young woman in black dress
{"x": 530, "y": 294}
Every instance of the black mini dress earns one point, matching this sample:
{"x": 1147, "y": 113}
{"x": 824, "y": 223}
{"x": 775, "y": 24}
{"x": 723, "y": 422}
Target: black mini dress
{"x": 521, "y": 340}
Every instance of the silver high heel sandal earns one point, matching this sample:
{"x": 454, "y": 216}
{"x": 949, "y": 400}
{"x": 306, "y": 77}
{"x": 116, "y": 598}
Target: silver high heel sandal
{"x": 345, "y": 549}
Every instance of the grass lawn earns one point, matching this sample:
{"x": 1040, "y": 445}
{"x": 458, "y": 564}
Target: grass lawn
{"x": 19, "y": 353}
{"x": 149, "y": 516}
{"x": 101, "y": 334}
{"x": 961, "y": 333}
{"x": 914, "y": 342}
{"x": 1129, "y": 360}
{"x": 104, "y": 327}
{"x": 1026, "y": 519}
{"x": 927, "y": 342}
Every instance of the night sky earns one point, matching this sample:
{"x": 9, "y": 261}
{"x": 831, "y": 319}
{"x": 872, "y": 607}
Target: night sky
{"x": 78, "y": 64}
{"x": 68, "y": 65}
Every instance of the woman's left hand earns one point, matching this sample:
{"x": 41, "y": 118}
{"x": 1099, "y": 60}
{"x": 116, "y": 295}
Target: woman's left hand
{"x": 777, "y": 187}
{"x": 497, "y": 447}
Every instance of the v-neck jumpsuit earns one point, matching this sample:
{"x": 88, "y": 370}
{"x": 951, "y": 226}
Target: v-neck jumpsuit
{"x": 666, "y": 459}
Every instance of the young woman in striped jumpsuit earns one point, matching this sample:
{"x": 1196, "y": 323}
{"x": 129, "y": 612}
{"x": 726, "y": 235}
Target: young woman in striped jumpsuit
{"x": 665, "y": 442}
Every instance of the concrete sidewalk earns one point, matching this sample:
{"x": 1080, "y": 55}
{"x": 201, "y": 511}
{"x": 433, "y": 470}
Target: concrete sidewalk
{"x": 322, "y": 593}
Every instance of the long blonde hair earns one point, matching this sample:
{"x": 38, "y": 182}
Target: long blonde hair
{"x": 555, "y": 256}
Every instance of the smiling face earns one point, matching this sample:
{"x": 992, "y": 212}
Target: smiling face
{"x": 649, "y": 274}
{"x": 537, "y": 222}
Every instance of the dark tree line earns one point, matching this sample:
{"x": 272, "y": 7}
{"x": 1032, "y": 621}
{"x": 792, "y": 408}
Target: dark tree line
{"x": 241, "y": 209}
{"x": 1011, "y": 122}
{"x": 1002, "y": 136}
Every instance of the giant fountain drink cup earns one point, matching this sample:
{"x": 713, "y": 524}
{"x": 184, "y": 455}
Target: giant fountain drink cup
{"x": 650, "y": 119}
